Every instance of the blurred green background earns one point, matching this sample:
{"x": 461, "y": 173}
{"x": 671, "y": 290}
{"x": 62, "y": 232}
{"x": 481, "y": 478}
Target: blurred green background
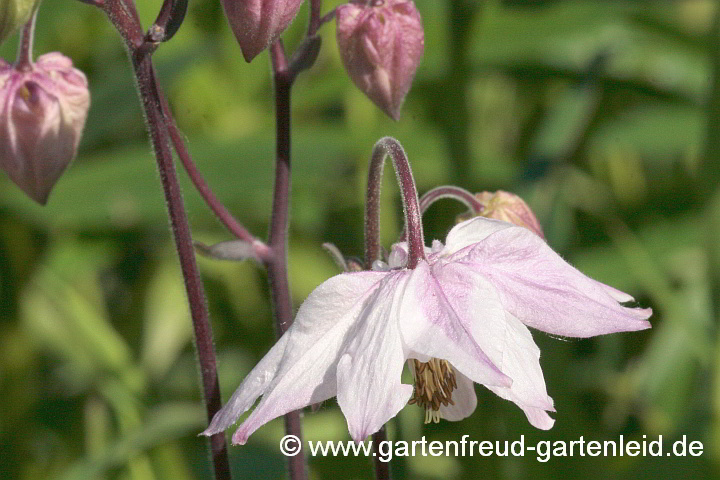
{"x": 603, "y": 115}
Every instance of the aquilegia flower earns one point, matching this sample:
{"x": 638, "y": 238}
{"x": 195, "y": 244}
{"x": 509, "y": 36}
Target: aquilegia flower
{"x": 460, "y": 316}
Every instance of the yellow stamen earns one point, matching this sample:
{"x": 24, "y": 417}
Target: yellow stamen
{"x": 434, "y": 384}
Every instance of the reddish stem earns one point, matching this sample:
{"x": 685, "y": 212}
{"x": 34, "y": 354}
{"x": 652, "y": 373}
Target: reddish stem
{"x": 276, "y": 263}
{"x": 24, "y": 60}
{"x": 124, "y": 16}
{"x": 223, "y": 214}
{"x": 411, "y": 206}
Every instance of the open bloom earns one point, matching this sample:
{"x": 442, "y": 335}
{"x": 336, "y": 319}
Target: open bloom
{"x": 460, "y": 316}
{"x": 42, "y": 116}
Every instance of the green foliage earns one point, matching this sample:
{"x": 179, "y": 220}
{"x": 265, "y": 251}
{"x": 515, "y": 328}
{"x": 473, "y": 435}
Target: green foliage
{"x": 603, "y": 115}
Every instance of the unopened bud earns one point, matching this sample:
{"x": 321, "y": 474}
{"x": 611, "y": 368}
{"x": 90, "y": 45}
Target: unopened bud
{"x": 13, "y": 15}
{"x": 510, "y": 208}
{"x": 381, "y": 44}
{"x": 258, "y": 23}
{"x": 43, "y": 112}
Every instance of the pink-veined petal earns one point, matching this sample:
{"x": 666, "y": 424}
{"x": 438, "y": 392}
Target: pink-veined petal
{"x": 471, "y": 232}
{"x": 299, "y": 375}
{"x": 369, "y": 390}
{"x": 521, "y": 362}
{"x": 431, "y": 327}
{"x": 250, "y": 389}
{"x": 463, "y": 397}
{"x": 507, "y": 342}
{"x": 545, "y": 292}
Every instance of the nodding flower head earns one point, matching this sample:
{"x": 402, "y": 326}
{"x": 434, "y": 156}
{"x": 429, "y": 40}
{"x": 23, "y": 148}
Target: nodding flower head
{"x": 381, "y": 44}
{"x": 460, "y": 317}
{"x": 42, "y": 115}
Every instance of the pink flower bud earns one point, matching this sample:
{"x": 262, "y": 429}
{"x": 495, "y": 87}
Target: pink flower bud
{"x": 510, "y": 208}
{"x": 43, "y": 112}
{"x": 258, "y": 23}
{"x": 381, "y": 44}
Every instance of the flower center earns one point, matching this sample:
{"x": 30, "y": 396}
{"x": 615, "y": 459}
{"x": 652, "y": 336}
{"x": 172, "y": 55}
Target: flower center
{"x": 434, "y": 383}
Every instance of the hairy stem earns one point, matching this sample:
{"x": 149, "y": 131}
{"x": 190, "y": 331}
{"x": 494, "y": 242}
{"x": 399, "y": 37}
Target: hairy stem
{"x": 222, "y": 213}
{"x": 276, "y": 263}
{"x": 124, "y": 16}
{"x": 455, "y": 193}
{"x": 385, "y": 147}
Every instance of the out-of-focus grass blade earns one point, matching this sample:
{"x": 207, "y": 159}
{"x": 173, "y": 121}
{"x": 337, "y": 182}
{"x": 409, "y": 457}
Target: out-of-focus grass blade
{"x": 167, "y": 325}
{"x": 165, "y": 424}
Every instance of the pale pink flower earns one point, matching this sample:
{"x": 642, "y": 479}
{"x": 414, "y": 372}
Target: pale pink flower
{"x": 42, "y": 115}
{"x": 460, "y": 316}
{"x": 258, "y": 23}
{"x": 381, "y": 43}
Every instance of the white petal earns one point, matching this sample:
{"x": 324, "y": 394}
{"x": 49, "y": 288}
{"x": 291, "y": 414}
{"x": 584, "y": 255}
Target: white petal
{"x": 471, "y": 232}
{"x": 464, "y": 400}
{"x": 300, "y": 369}
{"x": 369, "y": 390}
{"x": 250, "y": 389}
{"x": 431, "y": 324}
{"x": 504, "y": 338}
{"x": 545, "y": 292}
{"x": 521, "y": 362}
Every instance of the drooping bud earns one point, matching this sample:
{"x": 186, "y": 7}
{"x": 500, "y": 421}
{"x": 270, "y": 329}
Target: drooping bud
{"x": 42, "y": 115}
{"x": 510, "y": 208}
{"x": 13, "y": 15}
{"x": 381, "y": 44}
{"x": 258, "y": 23}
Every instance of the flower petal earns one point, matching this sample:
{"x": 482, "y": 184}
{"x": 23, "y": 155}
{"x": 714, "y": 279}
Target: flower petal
{"x": 472, "y": 231}
{"x": 464, "y": 400}
{"x": 431, "y": 324}
{"x": 507, "y": 342}
{"x": 250, "y": 389}
{"x": 545, "y": 292}
{"x": 369, "y": 390}
{"x": 521, "y": 362}
{"x": 299, "y": 369}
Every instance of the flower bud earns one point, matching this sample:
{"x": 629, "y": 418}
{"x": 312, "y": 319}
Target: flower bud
{"x": 42, "y": 115}
{"x": 258, "y": 23}
{"x": 381, "y": 43}
{"x": 13, "y": 15}
{"x": 510, "y": 208}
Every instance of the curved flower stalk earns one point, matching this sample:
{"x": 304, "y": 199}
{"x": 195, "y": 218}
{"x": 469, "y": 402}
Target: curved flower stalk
{"x": 42, "y": 116}
{"x": 258, "y": 23}
{"x": 381, "y": 44}
{"x": 461, "y": 316}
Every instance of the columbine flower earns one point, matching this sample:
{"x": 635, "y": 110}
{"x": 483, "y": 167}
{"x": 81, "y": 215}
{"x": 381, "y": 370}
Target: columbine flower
{"x": 258, "y": 23}
{"x": 381, "y": 44}
{"x": 460, "y": 316}
{"x": 42, "y": 115}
